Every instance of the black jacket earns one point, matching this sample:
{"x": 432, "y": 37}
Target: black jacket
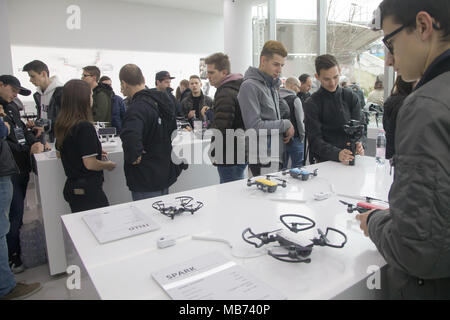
{"x": 176, "y": 104}
{"x": 53, "y": 108}
{"x": 147, "y": 128}
{"x": 102, "y": 103}
{"x": 8, "y": 166}
{"x": 391, "y": 108}
{"x": 188, "y": 103}
{"x": 326, "y": 113}
{"x": 20, "y": 151}
{"x": 227, "y": 115}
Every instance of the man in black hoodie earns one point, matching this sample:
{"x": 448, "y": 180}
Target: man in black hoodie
{"x": 162, "y": 82}
{"x": 146, "y": 137}
{"x": 326, "y": 113}
{"x": 227, "y": 116}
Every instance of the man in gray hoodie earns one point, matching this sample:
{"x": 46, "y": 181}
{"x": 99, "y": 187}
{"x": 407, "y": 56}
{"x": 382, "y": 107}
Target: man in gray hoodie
{"x": 260, "y": 105}
{"x": 48, "y": 94}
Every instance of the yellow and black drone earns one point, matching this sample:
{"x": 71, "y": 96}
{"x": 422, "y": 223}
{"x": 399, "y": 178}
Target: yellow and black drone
{"x": 266, "y": 185}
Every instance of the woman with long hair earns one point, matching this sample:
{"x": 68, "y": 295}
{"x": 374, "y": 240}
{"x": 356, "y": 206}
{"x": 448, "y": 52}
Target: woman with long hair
{"x": 400, "y": 91}
{"x": 80, "y": 149}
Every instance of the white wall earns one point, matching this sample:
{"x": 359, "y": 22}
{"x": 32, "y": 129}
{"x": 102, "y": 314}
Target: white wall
{"x": 114, "y": 25}
{"x": 112, "y": 34}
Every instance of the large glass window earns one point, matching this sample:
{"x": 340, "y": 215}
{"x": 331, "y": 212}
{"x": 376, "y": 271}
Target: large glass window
{"x": 358, "y": 49}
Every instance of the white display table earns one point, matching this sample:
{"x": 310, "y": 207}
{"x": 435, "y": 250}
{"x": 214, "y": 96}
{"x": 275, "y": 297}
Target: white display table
{"x": 122, "y": 269}
{"x": 51, "y": 179}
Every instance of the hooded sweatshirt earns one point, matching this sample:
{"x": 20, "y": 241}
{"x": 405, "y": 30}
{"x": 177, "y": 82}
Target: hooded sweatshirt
{"x": 46, "y": 96}
{"x": 259, "y": 101}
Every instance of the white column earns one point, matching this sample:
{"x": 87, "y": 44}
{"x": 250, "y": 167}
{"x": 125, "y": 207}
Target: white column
{"x": 238, "y": 34}
{"x": 5, "y": 41}
{"x": 272, "y": 13}
{"x": 322, "y": 26}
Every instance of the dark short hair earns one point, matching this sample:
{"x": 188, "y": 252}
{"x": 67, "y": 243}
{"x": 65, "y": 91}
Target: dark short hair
{"x": 220, "y": 61}
{"x": 325, "y": 62}
{"x": 405, "y": 11}
{"x": 104, "y": 78}
{"x": 273, "y": 47}
{"x": 304, "y": 77}
{"x": 195, "y": 77}
{"x": 36, "y": 66}
{"x": 132, "y": 75}
{"x": 94, "y": 71}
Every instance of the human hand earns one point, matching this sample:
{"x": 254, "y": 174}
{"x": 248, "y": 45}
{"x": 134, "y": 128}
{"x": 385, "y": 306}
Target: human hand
{"x": 30, "y": 123}
{"x": 191, "y": 114}
{"x": 362, "y": 218}
{"x": 8, "y": 126}
{"x": 138, "y": 161}
{"x": 345, "y": 156}
{"x": 37, "y": 147}
{"x": 2, "y": 112}
{"x": 104, "y": 155}
{"x": 289, "y": 134}
{"x": 203, "y": 111}
{"x": 359, "y": 149}
{"x": 47, "y": 147}
{"x": 38, "y": 131}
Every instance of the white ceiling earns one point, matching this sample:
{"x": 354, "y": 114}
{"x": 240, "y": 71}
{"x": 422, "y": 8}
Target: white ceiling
{"x": 208, "y": 6}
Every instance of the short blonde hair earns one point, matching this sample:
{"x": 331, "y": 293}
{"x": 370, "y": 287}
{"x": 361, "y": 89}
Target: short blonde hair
{"x": 272, "y": 47}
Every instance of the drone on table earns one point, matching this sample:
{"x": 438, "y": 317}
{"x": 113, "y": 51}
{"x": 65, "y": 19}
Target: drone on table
{"x": 296, "y": 252}
{"x": 299, "y": 173}
{"x": 186, "y": 204}
{"x": 266, "y": 185}
{"x": 363, "y": 206}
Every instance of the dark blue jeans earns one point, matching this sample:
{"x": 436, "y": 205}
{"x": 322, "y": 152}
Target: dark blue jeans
{"x": 147, "y": 195}
{"x": 294, "y": 151}
{"x": 7, "y": 281}
{"x": 20, "y": 183}
{"x": 231, "y": 173}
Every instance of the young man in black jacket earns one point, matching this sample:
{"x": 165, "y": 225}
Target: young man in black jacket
{"x": 146, "y": 137}
{"x": 231, "y": 162}
{"x": 413, "y": 235}
{"x": 23, "y": 144}
{"x": 326, "y": 113}
{"x": 9, "y": 289}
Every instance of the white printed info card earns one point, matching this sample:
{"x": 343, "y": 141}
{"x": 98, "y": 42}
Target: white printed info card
{"x": 213, "y": 277}
{"x": 118, "y": 224}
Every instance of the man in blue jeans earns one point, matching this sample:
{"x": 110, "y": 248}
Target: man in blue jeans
{"x": 294, "y": 148}
{"x": 9, "y": 289}
{"x": 227, "y": 118}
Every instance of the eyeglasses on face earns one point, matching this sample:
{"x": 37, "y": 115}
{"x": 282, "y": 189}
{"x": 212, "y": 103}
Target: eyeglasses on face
{"x": 386, "y": 39}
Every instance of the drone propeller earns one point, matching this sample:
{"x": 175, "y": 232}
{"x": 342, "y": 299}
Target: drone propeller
{"x": 368, "y": 199}
{"x": 324, "y": 242}
{"x": 350, "y": 207}
{"x": 293, "y": 226}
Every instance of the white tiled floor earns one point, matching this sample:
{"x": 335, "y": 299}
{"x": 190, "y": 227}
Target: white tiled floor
{"x": 53, "y": 287}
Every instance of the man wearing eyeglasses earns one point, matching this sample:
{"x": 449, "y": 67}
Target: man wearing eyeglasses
{"x": 101, "y": 94}
{"x": 414, "y": 234}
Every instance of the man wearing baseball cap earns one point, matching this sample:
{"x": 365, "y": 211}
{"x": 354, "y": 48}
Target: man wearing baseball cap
{"x": 9, "y": 89}
{"x": 162, "y": 82}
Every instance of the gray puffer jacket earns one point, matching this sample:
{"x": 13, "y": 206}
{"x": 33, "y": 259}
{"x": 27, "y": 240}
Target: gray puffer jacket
{"x": 414, "y": 234}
